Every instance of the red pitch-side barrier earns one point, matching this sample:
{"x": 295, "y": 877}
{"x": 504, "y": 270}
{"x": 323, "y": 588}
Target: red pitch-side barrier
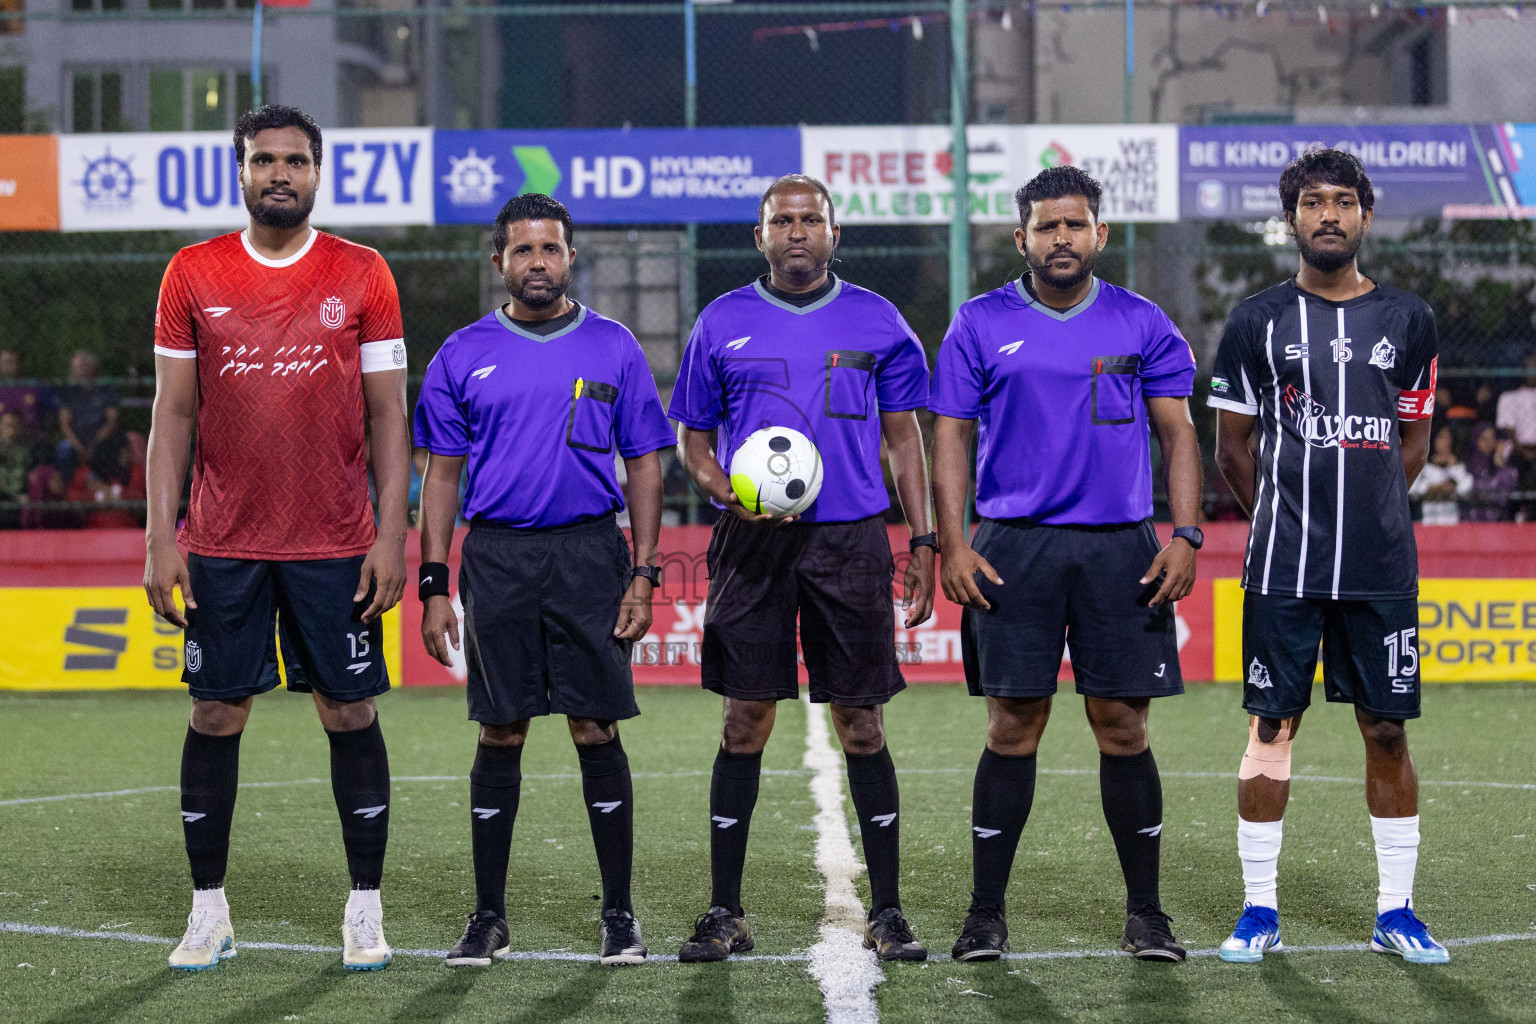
{"x": 669, "y": 654}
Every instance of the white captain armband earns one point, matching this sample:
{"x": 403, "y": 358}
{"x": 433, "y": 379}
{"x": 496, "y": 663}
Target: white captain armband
{"x": 383, "y": 355}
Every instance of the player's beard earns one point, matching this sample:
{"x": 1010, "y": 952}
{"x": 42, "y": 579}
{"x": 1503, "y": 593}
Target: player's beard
{"x": 281, "y": 218}
{"x": 1043, "y": 272}
{"x": 545, "y": 298}
{"x": 1329, "y": 260}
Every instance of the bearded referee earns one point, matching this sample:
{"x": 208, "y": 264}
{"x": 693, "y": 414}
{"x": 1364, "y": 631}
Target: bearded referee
{"x": 1064, "y": 373}
{"x": 535, "y": 399}
{"x": 802, "y": 348}
{"x": 1335, "y": 372}
{"x": 283, "y": 345}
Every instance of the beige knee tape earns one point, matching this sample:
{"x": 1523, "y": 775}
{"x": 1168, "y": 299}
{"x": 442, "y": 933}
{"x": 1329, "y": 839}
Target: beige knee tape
{"x": 1271, "y": 760}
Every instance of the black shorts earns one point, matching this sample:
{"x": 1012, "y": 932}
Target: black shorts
{"x": 1069, "y": 586}
{"x": 836, "y": 577}
{"x": 539, "y": 611}
{"x": 1370, "y": 654}
{"x": 244, "y": 607}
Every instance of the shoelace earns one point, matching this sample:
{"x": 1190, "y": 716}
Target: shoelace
{"x": 366, "y": 932}
{"x": 1158, "y": 923}
{"x": 899, "y": 930}
{"x": 201, "y": 926}
{"x": 621, "y": 928}
{"x": 979, "y": 921}
{"x": 711, "y": 926}
{"x": 1403, "y": 919}
{"x": 480, "y": 925}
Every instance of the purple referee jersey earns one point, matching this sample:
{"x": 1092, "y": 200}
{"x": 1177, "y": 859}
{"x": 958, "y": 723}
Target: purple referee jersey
{"x": 540, "y": 417}
{"x": 827, "y": 370}
{"x": 1063, "y": 437}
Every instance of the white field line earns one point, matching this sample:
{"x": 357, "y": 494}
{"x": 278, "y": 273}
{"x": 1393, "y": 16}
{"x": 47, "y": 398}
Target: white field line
{"x": 52, "y": 931}
{"x": 847, "y": 972}
{"x": 105, "y": 794}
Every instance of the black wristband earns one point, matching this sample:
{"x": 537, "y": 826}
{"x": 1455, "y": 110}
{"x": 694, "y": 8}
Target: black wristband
{"x": 927, "y": 540}
{"x": 432, "y": 581}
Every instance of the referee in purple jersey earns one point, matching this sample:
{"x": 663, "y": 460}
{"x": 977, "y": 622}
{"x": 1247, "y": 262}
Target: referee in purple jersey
{"x": 536, "y": 399}
{"x": 1065, "y": 373}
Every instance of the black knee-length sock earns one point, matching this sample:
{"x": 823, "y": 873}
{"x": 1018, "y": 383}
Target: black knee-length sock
{"x": 210, "y": 778}
{"x": 610, "y": 798}
{"x": 872, "y": 784}
{"x": 1000, "y": 802}
{"x": 732, "y": 796}
{"x": 360, "y": 783}
{"x": 495, "y": 784}
{"x": 1132, "y": 794}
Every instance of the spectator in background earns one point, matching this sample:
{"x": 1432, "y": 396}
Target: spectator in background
{"x": 111, "y": 475}
{"x": 1443, "y": 480}
{"x": 1494, "y": 476}
{"x": 1517, "y": 412}
{"x": 15, "y": 465}
{"x": 87, "y": 414}
{"x": 32, "y": 402}
{"x": 1449, "y": 408}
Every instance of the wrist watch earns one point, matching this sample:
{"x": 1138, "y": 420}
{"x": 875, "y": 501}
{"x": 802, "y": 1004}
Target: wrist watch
{"x": 927, "y": 540}
{"x": 1193, "y": 534}
{"x": 650, "y": 572}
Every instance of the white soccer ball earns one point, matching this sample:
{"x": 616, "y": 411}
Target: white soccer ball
{"x": 776, "y": 471}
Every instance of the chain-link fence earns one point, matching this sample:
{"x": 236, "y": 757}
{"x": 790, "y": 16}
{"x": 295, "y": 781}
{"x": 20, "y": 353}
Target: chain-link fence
{"x": 575, "y": 64}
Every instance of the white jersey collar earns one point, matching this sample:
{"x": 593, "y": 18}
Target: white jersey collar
{"x": 287, "y": 261}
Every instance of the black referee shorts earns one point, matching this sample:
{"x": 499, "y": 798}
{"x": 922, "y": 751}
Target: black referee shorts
{"x": 539, "y": 612}
{"x": 1071, "y": 587}
{"x": 1370, "y": 654}
{"x": 836, "y": 577}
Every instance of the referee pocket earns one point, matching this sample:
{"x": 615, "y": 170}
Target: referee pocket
{"x": 1114, "y": 380}
{"x": 848, "y": 377}
{"x": 590, "y": 426}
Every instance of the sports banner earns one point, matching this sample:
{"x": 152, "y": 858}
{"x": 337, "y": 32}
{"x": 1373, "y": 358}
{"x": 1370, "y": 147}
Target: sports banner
{"x": 903, "y": 174}
{"x": 634, "y": 176}
{"x": 29, "y": 183}
{"x": 1233, "y": 171}
{"x": 190, "y": 180}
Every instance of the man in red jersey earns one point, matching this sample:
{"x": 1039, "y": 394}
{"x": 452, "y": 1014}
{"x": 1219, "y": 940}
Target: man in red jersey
{"x": 284, "y": 346}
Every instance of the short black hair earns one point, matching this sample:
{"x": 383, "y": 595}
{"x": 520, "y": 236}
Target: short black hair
{"x": 1325, "y": 167}
{"x": 1058, "y": 183}
{"x": 529, "y": 206}
{"x": 796, "y": 181}
{"x": 275, "y": 115}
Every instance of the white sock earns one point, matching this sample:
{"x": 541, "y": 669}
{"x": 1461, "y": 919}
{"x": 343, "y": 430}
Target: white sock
{"x": 210, "y": 899}
{"x": 1397, "y": 855}
{"x": 1258, "y": 846}
{"x": 367, "y": 899}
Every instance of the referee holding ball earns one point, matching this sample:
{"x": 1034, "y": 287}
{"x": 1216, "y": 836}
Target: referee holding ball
{"x": 801, "y": 348}
{"x": 1064, "y": 372}
{"x": 534, "y": 398}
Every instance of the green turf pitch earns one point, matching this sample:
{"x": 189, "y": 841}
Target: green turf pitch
{"x": 116, "y": 864}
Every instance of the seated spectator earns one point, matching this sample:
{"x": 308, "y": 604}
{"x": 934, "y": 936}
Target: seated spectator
{"x": 87, "y": 414}
{"x": 1517, "y": 413}
{"x": 1449, "y": 408}
{"x": 33, "y": 402}
{"x": 1442, "y": 481}
{"x": 112, "y": 475}
{"x": 1494, "y": 477}
{"x": 15, "y": 465}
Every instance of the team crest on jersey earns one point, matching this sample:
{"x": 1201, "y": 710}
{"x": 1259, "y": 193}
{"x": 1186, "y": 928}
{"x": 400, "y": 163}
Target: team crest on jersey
{"x": 1258, "y": 676}
{"x": 194, "y": 656}
{"x": 333, "y": 312}
{"x": 1384, "y": 356}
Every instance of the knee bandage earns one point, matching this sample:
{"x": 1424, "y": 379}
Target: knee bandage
{"x": 1269, "y": 756}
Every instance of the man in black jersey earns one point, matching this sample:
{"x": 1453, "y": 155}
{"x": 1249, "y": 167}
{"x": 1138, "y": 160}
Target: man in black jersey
{"x": 1336, "y": 373}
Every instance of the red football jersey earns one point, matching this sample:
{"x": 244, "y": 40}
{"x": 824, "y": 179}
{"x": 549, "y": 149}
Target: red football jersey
{"x": 281, "y": 347}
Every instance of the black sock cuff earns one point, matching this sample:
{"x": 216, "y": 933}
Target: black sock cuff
{"x": 1127, "y": 762}
{"x": 497, "y": 767}
{"x": 367, "y": 736}
{"x": 1018, "y": 768}
{"x": 738, "y": 766}
{"x": 213, "y": 744}
{"x": 870, "y": 769}
{"x": 602, "y": 759}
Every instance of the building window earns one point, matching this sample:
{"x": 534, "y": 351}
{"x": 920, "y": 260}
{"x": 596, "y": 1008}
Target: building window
{"x": 13, "y": 101}
{"x": 197, "y": 100}
{"x": 96, "y": 101}
{"x": 96, "y": 5}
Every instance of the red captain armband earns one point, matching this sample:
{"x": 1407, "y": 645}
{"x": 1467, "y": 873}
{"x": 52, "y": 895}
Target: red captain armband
{"x": 1419, "y": 405}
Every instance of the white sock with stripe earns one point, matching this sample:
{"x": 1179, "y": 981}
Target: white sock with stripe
{"x": 1397, "y": 857}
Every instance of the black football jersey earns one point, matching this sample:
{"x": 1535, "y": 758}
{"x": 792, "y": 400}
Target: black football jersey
{"x": 1328, "y": 382}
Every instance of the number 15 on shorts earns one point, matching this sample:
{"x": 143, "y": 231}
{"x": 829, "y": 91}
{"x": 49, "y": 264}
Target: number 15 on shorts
{"x": 1402, "y": 653}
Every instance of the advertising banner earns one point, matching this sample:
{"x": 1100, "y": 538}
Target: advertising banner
{"x": 1509, "y": 160}
{"x": 642, "y": 175}
{"x": 903, "y": 174}
{"x": 1233, "y": 171}
{"x": 105, "y": 638}
{"x": 179, "y": 180}
{"x": 29, "y": 183}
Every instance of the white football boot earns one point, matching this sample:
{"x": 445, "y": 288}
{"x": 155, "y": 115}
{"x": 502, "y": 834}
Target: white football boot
{"x": 362, "y": 932}
{"x": 209, "y": 937}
